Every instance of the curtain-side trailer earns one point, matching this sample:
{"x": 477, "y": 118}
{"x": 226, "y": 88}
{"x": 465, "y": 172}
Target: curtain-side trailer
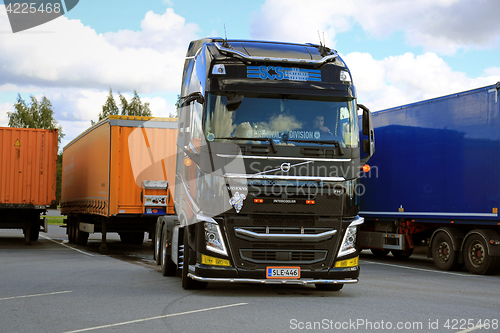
{"x": 435, "y": 179}
{"x": 115, "y": 178}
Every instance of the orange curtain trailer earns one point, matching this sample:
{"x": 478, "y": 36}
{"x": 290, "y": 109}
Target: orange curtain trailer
{"x": 119, "y": 164}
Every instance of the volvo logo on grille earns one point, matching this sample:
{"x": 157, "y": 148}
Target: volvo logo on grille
{"x": 285, "y": 167}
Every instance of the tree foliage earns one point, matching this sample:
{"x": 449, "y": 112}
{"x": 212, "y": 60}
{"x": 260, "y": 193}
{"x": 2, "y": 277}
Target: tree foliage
{"x": 35, "y": 115}
{"x": 133, "y": 108}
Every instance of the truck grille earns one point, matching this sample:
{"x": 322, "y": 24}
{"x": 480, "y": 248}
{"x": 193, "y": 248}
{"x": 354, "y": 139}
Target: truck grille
{"x": 291, "y": 257}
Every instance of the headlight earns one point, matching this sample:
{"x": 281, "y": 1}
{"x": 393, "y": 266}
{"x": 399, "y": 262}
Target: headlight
{"x": 213, "y": 238}
{"x": 345, "y": 76}
{"x": 349, "y": 242}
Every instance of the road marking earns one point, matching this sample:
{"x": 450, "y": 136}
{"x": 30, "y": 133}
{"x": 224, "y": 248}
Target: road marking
{"x": 417, "y": 269}
{"x": 69, "y": 247}
{"x": 25, "y": 296}
{"x": 157, "y": 317}
{"x": 472, "y": 329}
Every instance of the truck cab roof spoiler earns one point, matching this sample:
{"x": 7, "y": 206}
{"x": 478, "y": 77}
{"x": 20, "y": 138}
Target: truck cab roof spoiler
{"x": 243, "y": 56}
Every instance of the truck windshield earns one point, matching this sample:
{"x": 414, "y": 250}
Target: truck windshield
{"x": 287, "y": 120}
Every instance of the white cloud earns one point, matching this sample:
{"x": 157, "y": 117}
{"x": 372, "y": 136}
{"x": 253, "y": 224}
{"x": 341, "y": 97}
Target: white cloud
{"x": 4, "y": 108}
{"x": 440, "y": 26}
{"x": 74, "y": 55}
{"x": 407, "y": 78}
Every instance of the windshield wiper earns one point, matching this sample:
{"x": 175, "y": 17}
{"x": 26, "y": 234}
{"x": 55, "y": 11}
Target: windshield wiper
{"x": 271, "y": 142}
{"x": 322, "y": 142}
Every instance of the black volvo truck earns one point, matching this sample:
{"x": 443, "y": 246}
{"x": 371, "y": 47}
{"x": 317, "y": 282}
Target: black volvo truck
{"x": 266, "y": 185}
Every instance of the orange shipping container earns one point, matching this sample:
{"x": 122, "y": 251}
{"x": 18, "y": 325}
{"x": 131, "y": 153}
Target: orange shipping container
{"x": 119, "y": 167}
{"x": 28, "y": 167}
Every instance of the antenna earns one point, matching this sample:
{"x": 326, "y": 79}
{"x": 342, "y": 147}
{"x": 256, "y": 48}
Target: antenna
{"x": 225, "y": 43}
{"x": 319, "y": 36}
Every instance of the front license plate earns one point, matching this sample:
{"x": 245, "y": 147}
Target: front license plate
{"x": 283, "y": 272}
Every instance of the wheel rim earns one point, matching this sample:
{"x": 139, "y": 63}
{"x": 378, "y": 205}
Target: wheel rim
{"x": 443, "y": 252}
{"x": 476, "y": 253}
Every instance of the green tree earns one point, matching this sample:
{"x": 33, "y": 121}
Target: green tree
{"x": 35, "y": 115}
{"x": 177, "y": 107}
{"x": 38, "y": 115}
{"x": 109, "y": 108}
{"x": 133, "y": 108}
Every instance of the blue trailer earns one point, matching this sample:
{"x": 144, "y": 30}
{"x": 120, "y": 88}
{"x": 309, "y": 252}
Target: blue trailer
{"x": 435, "y": 179}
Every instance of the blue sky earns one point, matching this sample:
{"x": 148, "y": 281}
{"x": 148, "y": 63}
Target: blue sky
{"x": 398, "y": 51}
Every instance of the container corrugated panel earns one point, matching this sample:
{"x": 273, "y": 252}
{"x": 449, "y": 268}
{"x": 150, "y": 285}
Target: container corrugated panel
{"x": 28, "y": 166}
{"x": 103, "y": 169}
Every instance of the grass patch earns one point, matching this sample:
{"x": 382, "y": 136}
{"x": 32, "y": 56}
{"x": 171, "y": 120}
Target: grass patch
{"x": 56, "y": 220}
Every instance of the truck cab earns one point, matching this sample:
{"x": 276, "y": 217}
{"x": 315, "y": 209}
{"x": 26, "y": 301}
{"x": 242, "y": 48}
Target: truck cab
{"x": 267, "y": 166}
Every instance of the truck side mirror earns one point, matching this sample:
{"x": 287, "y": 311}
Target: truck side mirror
{"x": 366, "y": 119}
{"x": 196, "y": 96}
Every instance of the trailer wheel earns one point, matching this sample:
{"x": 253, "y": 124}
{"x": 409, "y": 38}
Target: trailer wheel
{"x": 379, "y": 252}
{"x": 328, "y": 286}
{"x": 445, "y": 258}
{"x": 476, "y": 257}
{"x": 81, "y": 237}
{"x": 402, "y": 254}
{"x": 71, "y": 229}
{"x": 157, "y": 242}
{"x": 187, "y": 282}
{"x": 168, "y": 267}
{"x": 34, "y": 232}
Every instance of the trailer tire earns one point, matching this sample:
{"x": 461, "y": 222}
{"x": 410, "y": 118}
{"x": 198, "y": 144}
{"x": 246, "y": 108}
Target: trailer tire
{"x": 402, "y": 254}
{"x": 379, "y": 253}
{"x": 187, "y": 282}
{"x": 328, "y": 286}
{"x": 81, "y": 237}
{"x": 34, "y": 232}
{"x": 71, "y": 229}
{"x": 168, "y": 267}
{"x": 443, "y": 255}
{"x": 157, "y": 242}
{"x": 476, "y": 257}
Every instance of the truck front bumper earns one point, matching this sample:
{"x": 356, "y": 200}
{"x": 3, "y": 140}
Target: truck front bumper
{"x": 201, "y": 272}
{"x": 273, "y": 281}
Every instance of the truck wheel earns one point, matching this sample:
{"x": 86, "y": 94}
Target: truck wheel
{"x": 168, "y": 267}
{"x": 328, "y": 286}
{"x": 400, "y": 254}
{"x": 157, "y": 242}
{"x": 379, "y": 252}
{"x": 476, "y": 256}
{"x": 445, "y": 258}
{"x": 187, "y": 282}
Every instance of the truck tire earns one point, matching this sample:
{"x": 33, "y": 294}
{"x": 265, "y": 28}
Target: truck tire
{"x": 445, "y": 258}
{"x": 476, "y": 257}
{"x": 187, "y": 282}
{"x": 328, "y": 286}
{"x": 157, "y": 241}
{"x": 71, "y": 229}
{"x": 379, "y": 252}
{"x": 402, "y": 254}
{"x": 168, "y": 267}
